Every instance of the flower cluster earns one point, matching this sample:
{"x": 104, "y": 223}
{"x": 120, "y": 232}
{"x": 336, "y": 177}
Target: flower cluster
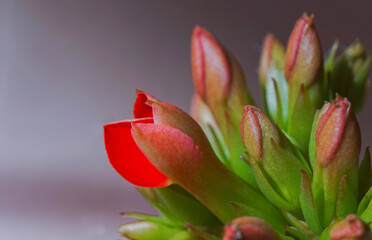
{"x": 232, "y": 171}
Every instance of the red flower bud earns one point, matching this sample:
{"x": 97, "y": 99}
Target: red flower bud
{"x": 249, "y": 228}
{"x": 335, "y": 145}
{"x": 352, "y": 228}
{"x": 303, "y": 59}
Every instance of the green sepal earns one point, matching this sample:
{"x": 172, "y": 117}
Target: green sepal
{"x": 328, "y": 68}
{"x": 272, "y": 101}
{"x": 276, "y": 99}
{"x": 266, "y": 186}
{"x": 185, "y": 207}
{"x": 178, "y": 205}
{"x": 148, "y": 230}
{"x": 277, "y": 221}
{"x": 312, "y": 143}
{"x": 327, "y": 230}
{"x": 150, "y": 218}
{"x": 297, "y": 233}
{"x": 346, "y": 200}
{"x": 360, "y": 87}
{"x": 301, "y": 119}
{"x": 214, "y": 136}
{"x": 150, "y": 195}
{"x": 185, "y": 235}
{"x": 364, "y": 174}
{"x": 308, "y": 205}
{"x": 202, "y": 234}
{"x": 297, "y": 223}
{"x": 365, "y": 207}
{"x": 364, "y": 202}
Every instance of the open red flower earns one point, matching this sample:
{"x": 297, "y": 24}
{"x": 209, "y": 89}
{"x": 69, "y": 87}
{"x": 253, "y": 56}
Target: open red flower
{"x": 123, "y": 153}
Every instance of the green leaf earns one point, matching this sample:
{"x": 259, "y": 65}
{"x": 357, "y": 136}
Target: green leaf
{"x": 185, "y": 207}
{"x": 147, "y": 230}
{"x": 365, "y": 201}
{"x": 201, "y": 233}
{"x": 346, "y": 200}
{"x": 365, "y": 176}
{"x": 185, "y": 235}
{"x": 277, "y": 222}
{"x": 297, "y": 223}
{"x": 297, "y": 233}
{"x": 308, "y": 205}
{"x": 301, "y": 120}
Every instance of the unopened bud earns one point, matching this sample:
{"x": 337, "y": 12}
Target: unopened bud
{"x": 251, "y": 228}
{"x": 352, "y": 228}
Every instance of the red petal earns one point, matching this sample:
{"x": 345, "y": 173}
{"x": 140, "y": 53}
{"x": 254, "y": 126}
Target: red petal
{"x": 127, "y": 159}
{"x": 140, "y": 108}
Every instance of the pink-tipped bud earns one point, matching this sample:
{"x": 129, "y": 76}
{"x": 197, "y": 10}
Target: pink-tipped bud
{"x": 303, "y": 60}
{"x": 251, "y": 228}
{"x": 337, "y": 135}
{"x": 257, "y": 132}
{"x": 352, "y": 228}
{"x": 335, "y": 145}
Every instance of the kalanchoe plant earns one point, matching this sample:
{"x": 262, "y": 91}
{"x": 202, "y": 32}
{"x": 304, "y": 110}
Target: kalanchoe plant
{"x": 233, "y": 171}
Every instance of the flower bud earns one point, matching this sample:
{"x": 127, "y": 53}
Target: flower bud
{"x": 304, "y": 73}
{"x": 336, "y": 137}
{"x": 349, "y": 77}
{"x": 251, "y": 228}
{"x": 273, "y": 84}
{"x": 220, "y": 83}
{"x": 351, "y": 228}
{"x": 270, "y": 154}
{"x": 303, "y": 59}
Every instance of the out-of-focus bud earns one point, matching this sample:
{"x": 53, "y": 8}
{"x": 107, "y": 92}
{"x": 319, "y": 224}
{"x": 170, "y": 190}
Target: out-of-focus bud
{"x": 249, "y": 228}
{"x": 270, "y": 154}
{"x": 272, "y": 59}
{"x": 273, "y": 84}
{"x": 220, "y": 83}
{"x": 351, "y": 228}
{"x": 349, "y": 77}
{"x": 174, "y": 145}
{"x": 304, "y": 73}
{"x": 336, "y": 141}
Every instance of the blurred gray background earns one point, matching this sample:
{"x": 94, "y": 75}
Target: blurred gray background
{"x": 68, "y": 67}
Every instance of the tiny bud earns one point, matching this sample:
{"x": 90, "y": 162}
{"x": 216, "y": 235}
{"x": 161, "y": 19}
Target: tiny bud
{"x": 251, "y": 228}
{"x": 352, "y": 228}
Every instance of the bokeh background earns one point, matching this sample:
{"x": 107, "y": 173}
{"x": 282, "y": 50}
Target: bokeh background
{"x": 67, "y": 67}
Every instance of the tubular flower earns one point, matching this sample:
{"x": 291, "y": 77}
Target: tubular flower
{"x": 174, "y": 145}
